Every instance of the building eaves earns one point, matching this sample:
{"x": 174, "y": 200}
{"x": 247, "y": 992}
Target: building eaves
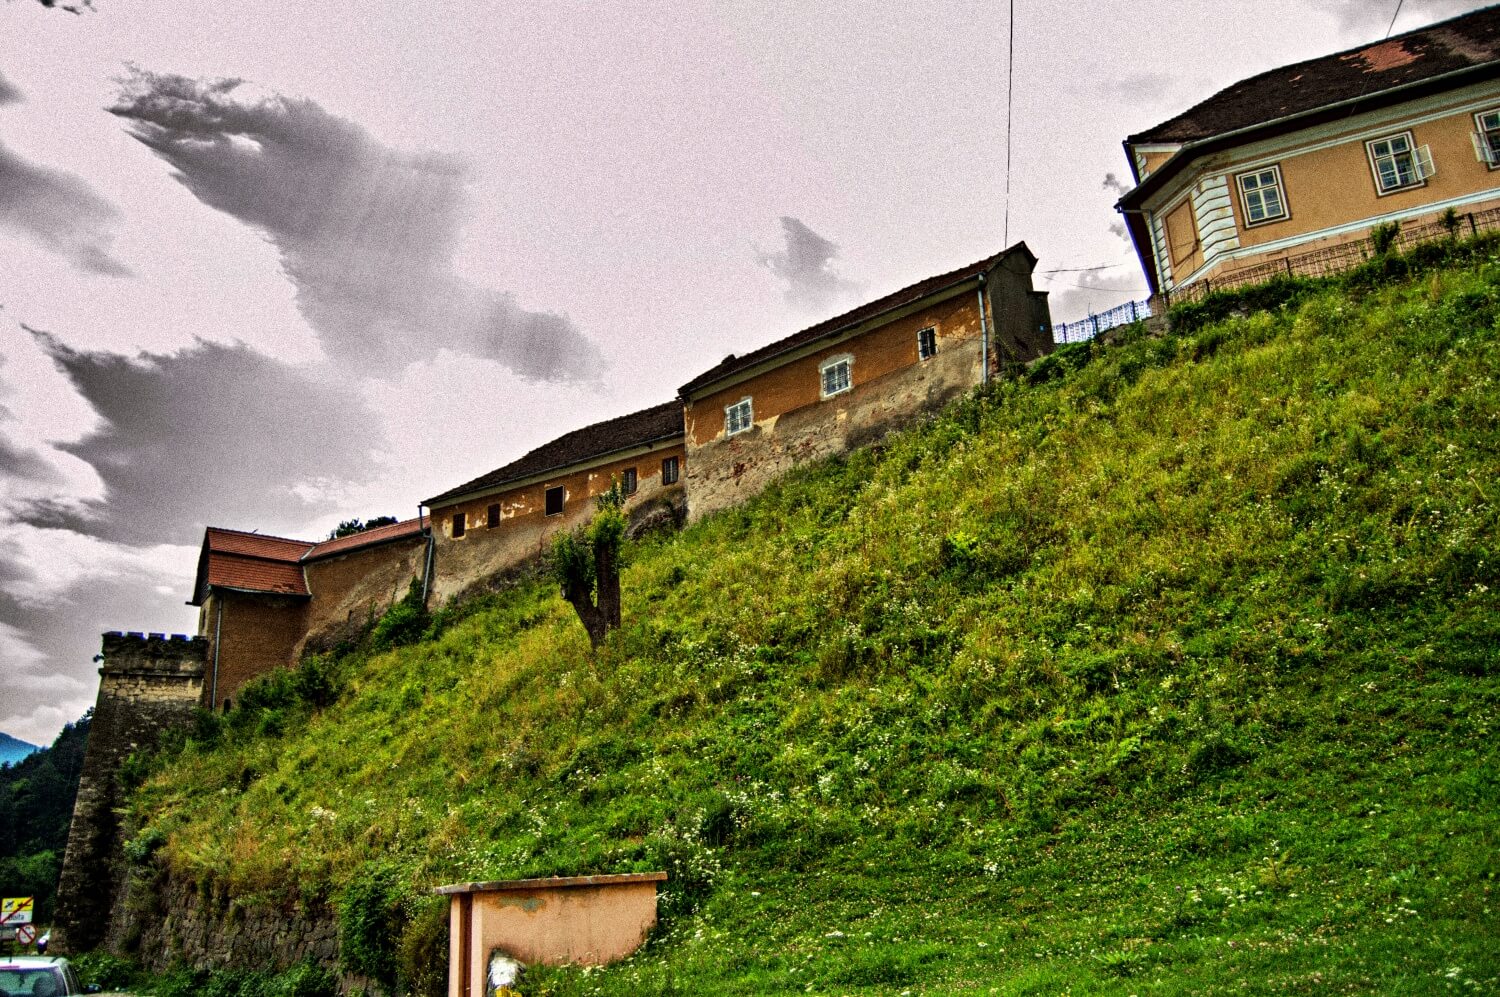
{"x": 830, "y": 328}
{"x": 626, "y": 432}
{"x": 1364, "y": 70}
{"x": 366, "y": 538}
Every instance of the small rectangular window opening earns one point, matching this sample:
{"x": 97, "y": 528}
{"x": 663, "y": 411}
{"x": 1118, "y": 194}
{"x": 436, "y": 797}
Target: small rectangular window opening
{"x": 927, "y": 343}
{"x": 669, "y": 470}
{"x": 1261, "y": 196}
{"x": 492, "y": 515}
{"x": 1487, "y": 138}
{"x": 555, "y": 500}
{"x": 1398, "y": 162}
{"x": 738, "y": 417}
{"x": 460, "y": 524}
{"x": 836, "y": 377}
{"x": 628, "y": 481}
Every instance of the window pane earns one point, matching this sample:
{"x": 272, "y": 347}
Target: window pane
{"x": 554, "y": 500}
{"x": 1272, "y": 201}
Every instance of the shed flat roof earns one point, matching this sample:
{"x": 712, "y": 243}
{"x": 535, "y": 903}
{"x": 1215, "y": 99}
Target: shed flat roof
{"x": 553, "y": 883}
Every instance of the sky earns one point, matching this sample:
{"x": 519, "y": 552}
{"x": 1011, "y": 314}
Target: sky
{"x": 269, "y": 266}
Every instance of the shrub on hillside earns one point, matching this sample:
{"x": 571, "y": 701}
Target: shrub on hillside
{"x": 370, "y": 916}
{"x": 404, "y": 623}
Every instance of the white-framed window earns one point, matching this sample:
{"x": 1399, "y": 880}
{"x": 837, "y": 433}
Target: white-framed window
{"x": 1261, "y": 196}
{"x": 669, "y": 470}
{"x": 1398, "y": 163}
{"x": 836, "y": 375}
{"x": 1487, "y": 138}
{"x": 927, "y": 343}
{"x": 738, "y": 417}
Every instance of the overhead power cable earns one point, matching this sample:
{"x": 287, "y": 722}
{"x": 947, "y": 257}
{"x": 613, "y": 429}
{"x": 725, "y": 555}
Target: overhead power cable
{"x": 1392, "y": 26}
{"x": 1010, "y": 88}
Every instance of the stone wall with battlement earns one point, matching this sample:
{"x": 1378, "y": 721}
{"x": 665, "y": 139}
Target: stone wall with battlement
{"x": 148, "y": 683}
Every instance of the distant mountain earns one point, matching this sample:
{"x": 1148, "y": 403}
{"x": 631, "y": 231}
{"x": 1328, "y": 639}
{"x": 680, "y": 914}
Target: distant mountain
{"x": 14, "y": 749}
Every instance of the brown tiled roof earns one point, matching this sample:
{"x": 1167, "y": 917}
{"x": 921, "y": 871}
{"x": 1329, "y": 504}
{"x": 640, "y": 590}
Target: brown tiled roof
{"x": 1460, "y": 43}
{"x": 250, "y": 562}
{"x": 650, "y": 425}
{"x": 366, "y": 538}
{"x": 915, "y": 292}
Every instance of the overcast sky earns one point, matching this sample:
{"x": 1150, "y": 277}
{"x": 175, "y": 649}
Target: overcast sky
{"x": 271, "y": 265}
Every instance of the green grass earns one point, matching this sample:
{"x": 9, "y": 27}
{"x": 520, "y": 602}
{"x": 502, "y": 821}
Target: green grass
{"x": 1173, "y": 667}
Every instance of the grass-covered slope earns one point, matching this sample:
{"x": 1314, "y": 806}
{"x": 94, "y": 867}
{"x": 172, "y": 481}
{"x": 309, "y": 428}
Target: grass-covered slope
{"x": 1172, "y": 668}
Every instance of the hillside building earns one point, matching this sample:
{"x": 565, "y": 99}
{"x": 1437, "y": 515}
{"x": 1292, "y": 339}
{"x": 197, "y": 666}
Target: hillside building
{"x": 263, "y": 600}
{"x": 1266, "y": 175}
{"x": 856, "y": 377}
{"x": 510, "y": 515}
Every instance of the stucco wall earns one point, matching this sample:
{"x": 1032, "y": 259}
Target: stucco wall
{"x": 892, "y": 387}
{"x": 585, "y": 921}
{"x": 525, "y": 530}
{"x": 351, "y": 589}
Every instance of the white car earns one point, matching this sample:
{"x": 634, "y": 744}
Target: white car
{"x": 39, "y": 976}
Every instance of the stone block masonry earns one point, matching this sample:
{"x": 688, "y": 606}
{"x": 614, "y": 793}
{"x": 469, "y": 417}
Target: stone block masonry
{"x": 147, "y": 684}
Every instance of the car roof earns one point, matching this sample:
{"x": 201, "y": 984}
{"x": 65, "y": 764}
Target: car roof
{"x": 33, "y": 961}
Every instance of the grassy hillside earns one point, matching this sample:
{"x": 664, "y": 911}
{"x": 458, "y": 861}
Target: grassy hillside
{"x": 1173, "y": 667}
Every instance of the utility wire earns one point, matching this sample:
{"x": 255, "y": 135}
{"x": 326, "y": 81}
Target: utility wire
{"x": 1392, "y": 26}
{"x": 1010, "y": 87}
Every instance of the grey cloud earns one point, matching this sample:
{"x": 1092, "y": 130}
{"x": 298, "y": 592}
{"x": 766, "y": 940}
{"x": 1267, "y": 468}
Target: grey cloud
{"x": 59, "y": 212}
{"x": 18, "y": 462}
{"x": 804, "y": 268}
{"x": 1115, "y": 185}
{"x": 8, "y": 92}
{"x": 1146, "y": 88}
{"x": 49, "y": 666}
{"x": 1372, "y": 19}
{"x": 209, "y": 434}
{"x": 366, "y": 233}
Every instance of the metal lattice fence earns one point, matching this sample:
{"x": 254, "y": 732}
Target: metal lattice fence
{"x": 1088, "y": 328}
{"x": 1336, "y": 259}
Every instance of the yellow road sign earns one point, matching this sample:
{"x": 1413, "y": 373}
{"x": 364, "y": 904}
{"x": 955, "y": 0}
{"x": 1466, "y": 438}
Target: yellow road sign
{"x": 15, "y": 910}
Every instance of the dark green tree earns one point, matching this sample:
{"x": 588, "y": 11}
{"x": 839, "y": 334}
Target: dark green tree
{"x": 351, "y": 526}
{"x": 586, "y": 563}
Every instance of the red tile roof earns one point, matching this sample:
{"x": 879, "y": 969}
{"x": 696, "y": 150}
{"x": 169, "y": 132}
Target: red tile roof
{"x": 1461, "y": 43}
{"x": 252, "y": 574}
{"x": 225, "y": 541}
{"x": 249, "y": 562}
{"x": 907, "y": 295}
{"x": 366, "y": 538}
{"x": 652, "y": 425}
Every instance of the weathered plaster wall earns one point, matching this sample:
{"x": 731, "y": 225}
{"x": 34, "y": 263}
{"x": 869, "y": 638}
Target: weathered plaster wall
{"x": 255, "y": 634}
{"x": 793, "y": 425}
{"x": 525, "y": 531}
{"x": 349, "y": 590}
{"x": 146, "y": 685}
{"x": 586, "y": 921}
